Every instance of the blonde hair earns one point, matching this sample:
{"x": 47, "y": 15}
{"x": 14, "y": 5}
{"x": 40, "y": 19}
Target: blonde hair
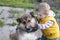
{"x": 43, "y": 7}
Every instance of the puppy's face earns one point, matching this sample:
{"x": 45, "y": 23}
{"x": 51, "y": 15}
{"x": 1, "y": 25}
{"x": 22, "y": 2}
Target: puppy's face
{"x": 24, "y": 20}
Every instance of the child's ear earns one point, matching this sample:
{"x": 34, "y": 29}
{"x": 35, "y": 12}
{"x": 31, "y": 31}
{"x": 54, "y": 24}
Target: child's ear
{"x": 18, "y": 20}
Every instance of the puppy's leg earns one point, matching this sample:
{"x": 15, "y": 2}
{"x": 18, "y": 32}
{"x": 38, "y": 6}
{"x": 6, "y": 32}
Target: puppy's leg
{"x": 14, "y": 36}
{"x": 38, "y": 38}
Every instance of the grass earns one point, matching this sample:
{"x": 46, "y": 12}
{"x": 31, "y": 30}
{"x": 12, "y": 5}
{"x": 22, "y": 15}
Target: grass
{"x": 1, "y": 22}
{"x": 12, "y": 16}
{"x": 14, "y": 23}
{"x": 1, "y": 11}
{"x": 17, "y": 3}
{"x": 18, "y": 15}
{"x": 55, "y": 10}
{"x": 15, "y": 13}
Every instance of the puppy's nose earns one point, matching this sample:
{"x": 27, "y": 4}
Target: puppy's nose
{"x": 28, "y": 29}
{"x": 24, "y": 22}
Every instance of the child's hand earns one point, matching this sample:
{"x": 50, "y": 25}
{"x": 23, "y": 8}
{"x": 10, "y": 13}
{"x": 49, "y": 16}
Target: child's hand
{"x": 32, "y": 24}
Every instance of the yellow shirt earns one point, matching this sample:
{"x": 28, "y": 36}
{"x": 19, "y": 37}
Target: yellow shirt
{"x": 51, "y": 32}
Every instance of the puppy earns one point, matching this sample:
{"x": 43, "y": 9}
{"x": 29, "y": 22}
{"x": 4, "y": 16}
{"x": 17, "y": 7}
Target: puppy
{"x": 24, "y": 31}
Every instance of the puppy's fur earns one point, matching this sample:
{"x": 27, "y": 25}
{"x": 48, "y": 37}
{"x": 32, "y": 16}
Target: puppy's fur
{"x": 23, "y": 35}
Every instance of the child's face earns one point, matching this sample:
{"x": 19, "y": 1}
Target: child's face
{"x": 41, "y": 14}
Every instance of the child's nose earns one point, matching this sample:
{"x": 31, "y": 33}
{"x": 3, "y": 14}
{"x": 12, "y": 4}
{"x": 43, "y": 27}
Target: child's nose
{"x": 40, "y": 15}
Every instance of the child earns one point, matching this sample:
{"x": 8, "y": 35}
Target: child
{"x": 47, "y": 23}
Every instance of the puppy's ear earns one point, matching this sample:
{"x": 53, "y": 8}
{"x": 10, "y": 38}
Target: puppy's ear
{"x": 32, "y": 14}
{"x": 18, "y": 20}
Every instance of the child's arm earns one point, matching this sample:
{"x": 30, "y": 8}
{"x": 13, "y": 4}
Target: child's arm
{"x": 45, "y": 25}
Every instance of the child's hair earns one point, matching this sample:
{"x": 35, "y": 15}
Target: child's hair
{"x": 43, "y": 7}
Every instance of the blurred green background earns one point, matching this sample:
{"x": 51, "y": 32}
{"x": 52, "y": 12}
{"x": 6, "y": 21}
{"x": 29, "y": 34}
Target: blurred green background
{"x": 19, "y": 3}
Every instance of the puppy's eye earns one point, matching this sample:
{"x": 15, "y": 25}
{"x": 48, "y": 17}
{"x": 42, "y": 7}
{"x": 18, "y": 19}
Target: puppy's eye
{"x": 24, "y": 22}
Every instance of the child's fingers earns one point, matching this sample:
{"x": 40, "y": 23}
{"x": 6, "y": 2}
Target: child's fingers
{"x": 32, "y": 24}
